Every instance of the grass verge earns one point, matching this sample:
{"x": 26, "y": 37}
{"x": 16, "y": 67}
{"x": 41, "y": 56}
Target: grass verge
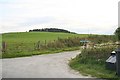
{"x": 92, "y": 62}
{"x": 50, "y": 51}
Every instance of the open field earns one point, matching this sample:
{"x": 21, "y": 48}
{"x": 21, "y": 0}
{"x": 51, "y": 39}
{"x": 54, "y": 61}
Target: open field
{"x": 32, "y": 37}
{"x": 23, "y": 43}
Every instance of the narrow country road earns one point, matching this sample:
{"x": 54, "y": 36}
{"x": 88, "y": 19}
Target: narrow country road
{"x": 41, "y": 66}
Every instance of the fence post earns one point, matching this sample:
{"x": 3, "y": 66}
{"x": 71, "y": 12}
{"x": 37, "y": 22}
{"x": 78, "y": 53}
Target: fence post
{"x": 118, "y": 61}
{"x": 4, "y": 46}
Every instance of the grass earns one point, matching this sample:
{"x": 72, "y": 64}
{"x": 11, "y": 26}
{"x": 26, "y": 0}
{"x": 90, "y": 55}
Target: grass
{"x": 31, "y": 37}
{"x": 0, "y": 45}
{"x": 92, "y": 62}
{"x": 21, "y": 44}
{"x": 23, "y": 54}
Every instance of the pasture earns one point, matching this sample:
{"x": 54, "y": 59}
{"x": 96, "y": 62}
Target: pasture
{"x": 22, "y": 43}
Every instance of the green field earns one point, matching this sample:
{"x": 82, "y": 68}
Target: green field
{"x": 22, "y": 43}
{"x": 31, "y": 37}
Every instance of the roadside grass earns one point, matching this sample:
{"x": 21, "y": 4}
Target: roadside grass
{"x": 92, "y": 62}
{"x": 32, "y": 53}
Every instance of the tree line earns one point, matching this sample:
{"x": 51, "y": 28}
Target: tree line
{"x": 51, "y": 30}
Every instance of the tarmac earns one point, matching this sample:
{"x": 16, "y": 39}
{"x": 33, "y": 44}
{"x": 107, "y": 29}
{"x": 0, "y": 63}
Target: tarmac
{"x": 41, "y": 66}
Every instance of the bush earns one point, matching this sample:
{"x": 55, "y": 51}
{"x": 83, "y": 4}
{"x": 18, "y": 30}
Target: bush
{"x": 98, "y": 39}
{"x": 98, "y": 55}
{"x": 92, "y": 61}
{"x": 117, "y": 33}
{"x": 59, "y": 43}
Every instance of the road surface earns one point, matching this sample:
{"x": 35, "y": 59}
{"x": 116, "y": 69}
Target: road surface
{"x": 41, "y": 66}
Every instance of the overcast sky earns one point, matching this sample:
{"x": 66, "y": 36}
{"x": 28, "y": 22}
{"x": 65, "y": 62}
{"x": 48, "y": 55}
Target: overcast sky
{"x": 81, "y": 16}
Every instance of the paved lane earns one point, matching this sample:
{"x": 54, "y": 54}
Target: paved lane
{"x": 41, "y": 66}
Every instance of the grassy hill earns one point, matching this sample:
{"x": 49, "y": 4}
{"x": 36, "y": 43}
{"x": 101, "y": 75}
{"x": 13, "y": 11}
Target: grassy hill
{"x": 22, "y": 43}
{"x": 31, "y": 37}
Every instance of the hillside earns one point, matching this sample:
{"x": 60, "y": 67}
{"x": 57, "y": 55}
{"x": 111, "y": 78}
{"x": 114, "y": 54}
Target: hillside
{"x": 34, "y": 43}
{"x": 23, "y": 43}
{"x": 31, "y": 37}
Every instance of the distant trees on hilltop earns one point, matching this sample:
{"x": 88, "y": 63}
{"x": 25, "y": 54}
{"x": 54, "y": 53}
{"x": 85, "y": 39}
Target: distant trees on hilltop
{"x": 51, "y": 30}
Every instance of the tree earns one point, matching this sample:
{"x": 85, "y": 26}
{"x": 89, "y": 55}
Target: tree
{"x": 117, "y": 33}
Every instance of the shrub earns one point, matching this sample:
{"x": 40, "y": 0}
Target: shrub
{"x": 98, "y": 39}
{"x": 59, "y": 43}
{"x": 96, "y": 54}
{"x": 92, "y": 61}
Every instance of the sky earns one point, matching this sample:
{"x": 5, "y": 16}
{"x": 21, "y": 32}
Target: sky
{"x": 80, "y": 16}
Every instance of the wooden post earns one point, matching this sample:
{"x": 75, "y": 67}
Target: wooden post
{"x": 38, "y": 45}
{"x": 4, "y": 46}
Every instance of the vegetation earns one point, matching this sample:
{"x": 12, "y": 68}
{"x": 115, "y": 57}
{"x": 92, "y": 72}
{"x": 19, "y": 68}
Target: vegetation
{"x": 98, "y": 39}
{"x": 32, "y": 43}
{"x": 92, "y": 61}
{"x": 45, "y": 41}
{"x": 36, "y": 52}
{"x": 50, "y": 30}
{"x": 59, "y": 43}
{"x": 117, "y": 33}
{"x": 0, "y": 45}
